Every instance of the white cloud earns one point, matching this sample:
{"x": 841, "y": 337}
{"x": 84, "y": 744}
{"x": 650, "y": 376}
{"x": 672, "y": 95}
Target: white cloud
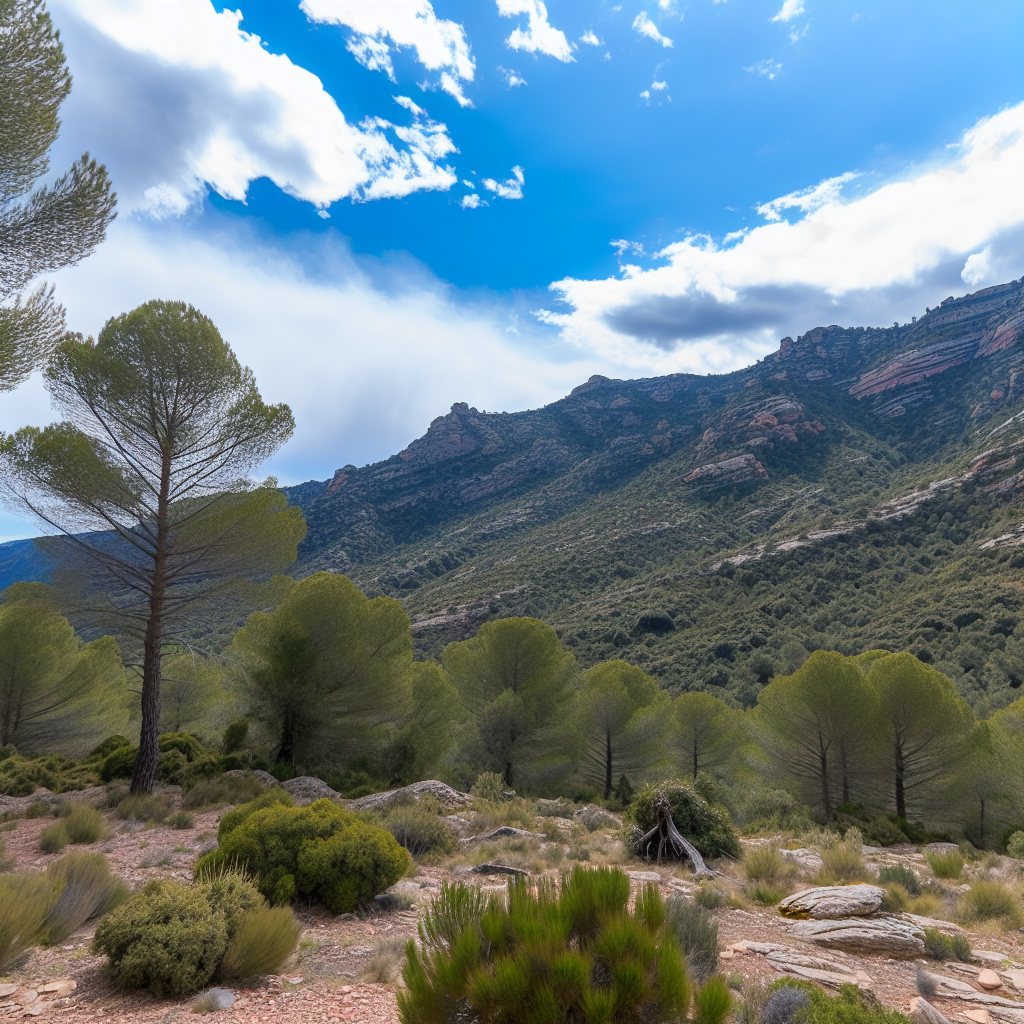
{"x": 590, "y": 39}
{"x": 472, "y": 202}
{"x": 645, "y": 95}
{"x": 871, "y": 259}
{"x": 468, "y": 183}
{"x": 511, "y": 188}
{"x": 440, "y": 45}
{"x": 659, "y": 86}
{"x": 512, "y": 78}
{"x": 540, "y": 36}
{"x": 808, "y": 199}
{"x": 796, "y": 34}
{"x": 765, "y": 68}
{"x": 790, "y": 9}
{"x": 179, "y": 98}
{"x": 623, "y": 245}
{"x": 646, "y": 27}
{"x": 413, "y": 108}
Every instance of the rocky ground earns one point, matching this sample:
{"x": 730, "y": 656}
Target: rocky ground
{"x": 346, "y": 967}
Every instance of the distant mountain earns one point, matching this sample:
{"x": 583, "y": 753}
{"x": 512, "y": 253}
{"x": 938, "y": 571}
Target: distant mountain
{"x": 860, "y": 487}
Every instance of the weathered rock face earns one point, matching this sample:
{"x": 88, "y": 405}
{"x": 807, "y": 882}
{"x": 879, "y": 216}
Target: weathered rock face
{"x": 307, "y": 789}
{"x": 728, "y": 473}
{"x": 450, "y": 799}
{"x": 828, "y": 902}
{"x": 888, "y": 934}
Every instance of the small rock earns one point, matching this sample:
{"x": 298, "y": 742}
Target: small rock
{"x": 922, "y": 1012}
{"x": 386, "y": 901}
{"x": 25, "y": 996}
{"x": 807, "y": 859}
{"x": 37, "y": 1007}
{"x": 504, "y": 832}
{"x": 498, "y": 869}
{"x": 987, "y": 956}
{"x": 645, "y": 876}
{"x": 988, "y": 979}
{"x": 61, "y": 988}
{"x": 1016, "y": 977}
{"x": 978, "y": 1016}
{"x": 7, "y": 990}
{"x": 832, "y": 902}
{"x": 292, "y": 979}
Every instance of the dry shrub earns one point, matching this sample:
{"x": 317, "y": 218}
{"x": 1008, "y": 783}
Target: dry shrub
{"x": 53, "y": 838}
{"x": 24, "y": 900}
{"x": 765, "y": 864}
{"x": 84, "y": 825}
{"x": 86, "y": 890}
{"x": 992, "y": 901}
{"x": 138, "y": 807}
{"x": 766, "y": 895}
{"x": 264, "y": 941}
{"x": 947, "y": 864}
{"x": 842, "y": 864}
{"x": 490, "y": 814}
{"x": 385, "y": 962}
{"x": 696, "y": 931}
{"x": 180, "y": 820}
{"x": 227, "y": 789}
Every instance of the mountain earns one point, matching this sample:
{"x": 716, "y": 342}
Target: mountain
{"x": 858, "y": 488}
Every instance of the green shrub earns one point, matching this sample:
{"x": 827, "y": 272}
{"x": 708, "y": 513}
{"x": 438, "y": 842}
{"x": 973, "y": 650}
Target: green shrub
{"x": 180, "y": 820}
{"x": 84, "y": 825}
{"x": 896, "y": 899}
{"x": 172, "y": 767}
{"x": 765, "y": 864}
{"x": 228, "y": 789}
{"x": 235, "y": 734}
{"x": 1015, "y": 845}
{"x": 420, "y": 831}
{"x": 517, "y": 812}
{"x": 580, "y": 955}
{"x": 878, "y": 829}
{"x": 992, "y": 901}
{"x": 185, "y": 743}
{"x": 25, "y": 899}
{"x": 265, "y": 939}
{"x": 320, "y": 851}
{"x": 696, "y": 931}
{"x": 766, "y": 895}
{"x": 143, "y": 807}
{"x": 53, "y": 838}
{"x": 900, "y": 874}
{"x": 851, "y": 1006}
{"x": 707, "y": 827}
{"x": 166, "y": 938}
{"x": 22, "y": 776}
{"x": 489, "y": 786}
{"x": 712, "y": 1002}
{"x": 108, "y": 746}
{"x": 269, "y": 798}
{"x": 85, "y": 890}
{"x": 232, "y": 894}
{"x": 119, "y": 763}
{"x": 947, "y": 947}
{"x": 708, "y": 896}
{"x": 774, "y": 810}
{"x": 843, "y": 863}
{"x": 945, "y": 864}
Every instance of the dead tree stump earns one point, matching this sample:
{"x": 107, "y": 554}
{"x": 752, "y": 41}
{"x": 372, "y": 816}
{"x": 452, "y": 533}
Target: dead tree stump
{"x": 665, "y": 840}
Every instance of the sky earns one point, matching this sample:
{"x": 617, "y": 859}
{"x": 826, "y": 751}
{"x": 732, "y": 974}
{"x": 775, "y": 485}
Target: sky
{"x": 388, "y": 206}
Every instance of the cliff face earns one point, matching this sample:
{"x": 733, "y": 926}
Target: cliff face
{"x": 915, "y": 387}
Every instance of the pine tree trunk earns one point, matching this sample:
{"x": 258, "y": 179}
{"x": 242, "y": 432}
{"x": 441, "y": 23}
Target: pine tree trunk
{"x": 826, "y": 796}
{"x": 607, "y": 764}
{"x": 901, "y": 800}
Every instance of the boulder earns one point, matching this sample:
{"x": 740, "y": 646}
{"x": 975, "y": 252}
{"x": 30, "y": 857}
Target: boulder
{"x": 265, "y": 777}
{"x": 989, "y": 980}
{"x": 922, "y": 1012}
{"x": 831, "y": 902}
{"x": 450, "y": 799}
{"x": 807, "y": 859}
{"x": 307, "y": 789}
{"x": 595, "y": 818}
{"x": 941, "y": 848}
{"x": 888, "y": 934}
{"x": 504, "y": 832}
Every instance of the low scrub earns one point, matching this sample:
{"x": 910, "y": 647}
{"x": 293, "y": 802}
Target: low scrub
{"x": 264, "y": 941}
{"x": 22, "y": 776}
{"x": 489, "y": 786}
{"x": 53, "y": 838}
{"x": 420, "y": 830}
{"x": 851, "y": 1006}
{"x": 766, "y": 864}
{"x": 84, "y": 825}
{"x": 707, "y": 827}
{"x": 696, "y": 931}
{"x": 900, "y": 874}
{"x": 384, "y": 965}
{"x": 1015, "y": 845}
{"x": 843, "y": 864}
{"x": 490, "y": 814}
{"x": 25, "y": 899}
{"x": 992, "y": 901}
{"x": 947, "y": 947}
{"x": 765, "y": 895}
{"x": 85, "y": 889}
{"x": 576, "y": 955}
{"x": 945, "y": 863}
{"x": 218, "y": 792}
{"x": 180, "y": 820}
{"x": 320, "y": 851}
{"x": 709, "y": 896}
{"x": 142, "y": 807}
{"x": 712, "y": 1002}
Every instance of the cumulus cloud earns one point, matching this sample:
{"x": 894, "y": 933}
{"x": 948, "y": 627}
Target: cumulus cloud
{"x": 646, "y": 95}
{"x": 767, "y": 68}
{"x": 870, "y": 259}
{"x": 790, "y": 9}
{"x": 659, "y": 86}
{"x": 440, "y": 45}
{"x": 590, "y": 39}
{"x": 540, "y": 36}
{"x": 510, "y": 188}
{"x": 472, "y": 202}
{"x": 623, "y": 245}
{"x": 512, "y": 78}
{"x": 178, "y": 98}
{"x": 646, "y": 27}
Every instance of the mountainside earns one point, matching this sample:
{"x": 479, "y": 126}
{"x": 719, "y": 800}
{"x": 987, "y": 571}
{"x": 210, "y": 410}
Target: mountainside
{"x": 848, "y": 490}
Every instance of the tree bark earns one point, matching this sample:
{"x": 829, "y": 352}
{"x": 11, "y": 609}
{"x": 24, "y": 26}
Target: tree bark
{"x": 901, "y": 799}
{"x": 826, "y": 795}
{"x": 666, "y": 840}
{"x": 607, "y": 764}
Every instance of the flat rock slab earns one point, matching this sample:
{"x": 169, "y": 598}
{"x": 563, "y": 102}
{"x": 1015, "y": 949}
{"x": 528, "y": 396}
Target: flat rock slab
{"x": 944, "y": 927}
{"x": 831, "y": 902}
{"x": 499, "y": 869}
{"x": 645, "y": 876}
{"x": 807, "y": 859}
{"x": 989, "y": 980}
{"x": 889, "y": 935}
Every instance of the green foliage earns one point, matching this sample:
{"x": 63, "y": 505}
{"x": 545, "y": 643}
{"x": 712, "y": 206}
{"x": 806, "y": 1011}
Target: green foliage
{"x": 235, "y": 734}
{"x": 226, "y": 789}
{"x": 765, "y": 863}
{"x": 180, "y": 820}
{"x": 84, "y": 824}
{"x": 850, "y": 1006}
{"x": 947, "y": 947}
{"x": 712, "y": 1002}
{"x": 53, "y": 838}
{"x": 272, "y": 797}
{"x": 899, "y": 874}
{"x": 420, "y": 830}
{"x": 708, "y": 828}
{"x": 705, "y": 732}
{"x": 489, "y": 786}
{"x": 709, "y": 896}
{"x": 119, "y": 763}
{"x": 766, "y": 895}
{"x": 945, "y": 863}
{"x": 139, "y": 807}
{"x": 22, "y": 776}
{"x": 85, "y": 890}
{"x": 536, "y": 957}
{"x": 108, "y": 746}
{"x": 319, "y": 851}
{"x": 696, "y": 931}
{"x": 264, "y": 941}
{"x": 1015, "y": 845}
{"x": 232, "y": 895}
{"x": 843, "y": 864}
{"x": 166, "y": 938}
{"x": 25, "y": 899}
{"x": 992, "y": 901}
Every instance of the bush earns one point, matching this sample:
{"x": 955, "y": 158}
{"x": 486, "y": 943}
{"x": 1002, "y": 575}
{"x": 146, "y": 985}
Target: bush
{"x": 232, "y": 895}
{"x": 712, "y": 1003}
{"x": 710, "y": 897}
{"x": 264, "y": 941}
{"x": 843, "y": 864}
{"x": 22, "y": 776}
{"x": 84, "y": 825}
{"x": 851, "y": 1006}
{"x": 275, "y": 796}
{"x": 765, "y": 864}
{"x": 235, "y": 734}
{"x": 489, "y": 786}
{"x": 228, "y": 789}
{"x": 320, "y": 851}
{"x": 517, "y": 812}
{"x": 1015, "y": 845}
{"x": 945, "y": 864}
{"x": 119, "y": 763}
{"x": 184, "y": 743}
{"x": 166, "y": 938}
{"x": 580, "y": 954}
{"x": 53, "y": 838}
{"x": 896, "y": 899}
{"x": 25, "y": 899}
{"x": 900, "y": 874}
{"x": 992, "y": 901}
{"x": 108, "y": 746}
{"x": 774, "y": 810}
{"x": 142, "y": 807}
{"x": 85, "y": 890}
{"x": 946, "y": 947}
{"x": 419, "y": 830}
{"x": 766, "y": 895}
{"x": 180, "y": 820}
{"x": 696, "y": 931}
{"x": 783, "y": 1005}
{"x": 384, "y": 964}
{"x": 707, "y": 827}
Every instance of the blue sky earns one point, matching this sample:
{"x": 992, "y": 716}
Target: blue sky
{"x": 390, "y": 206}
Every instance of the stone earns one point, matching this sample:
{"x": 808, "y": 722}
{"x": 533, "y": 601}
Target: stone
{"x": 7, "y": 989}
{"x": 36, "y": 1009}
{"x": 1016, "y": 978}
{"x": 941, "y": 848}
{"x": 807, "y": 859}
{"x": 831, "y": 902}
{"x": 222, "y": 998}
{"x": 60, "y": 989}
{"x": 890, "y": 935}
{"x": 307, "y": 789}
{"x": 989, "y": 980}
{"x": 945, "y": 927}
{"x": 978, "y": 1016}
{"x": 988, "y": 956}
{"x": 450, "y": 799}
{"x": 387, "y": 901}
{"x": 922, "y": 1012}
{"x": 645, "y": 876}
{"x": 25, "y": 996}
{"x": 504, "y": 832}
{"x": 499, "y": 869}
{"x": 595, "y": 818}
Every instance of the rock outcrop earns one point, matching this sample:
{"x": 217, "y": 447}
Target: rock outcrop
{"x": 727, "y": 473}
{"x": 830, "y": 902}
{"x": 889, "y": 935}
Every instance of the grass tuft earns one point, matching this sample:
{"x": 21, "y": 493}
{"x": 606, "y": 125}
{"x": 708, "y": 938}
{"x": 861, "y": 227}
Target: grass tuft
{"x": 84, "y": 825}
{"x": 384, "y": 964}
{"x": 766, "y": 895}
{"x": 765, "y": 864}
{"x": 86, "y": 890}
{"x": 946, "y": 947}
{"x": 53, "y": 838}
{"x": 949, "y": 864}
{"x": 843, "y": 863}
{"x": 712, "y": 1002}
{"x": 25, "y": 899}
{"x": 992, "y": 901}
{"x": 900, "y": 874}
{"x": 265, "y": 940}
{"x": 180, "y": 820}
{"x": 139, "y": 807}
{"x": 696, "y": 931}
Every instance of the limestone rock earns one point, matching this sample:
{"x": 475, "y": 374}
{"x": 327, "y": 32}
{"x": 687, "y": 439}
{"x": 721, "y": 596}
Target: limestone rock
{"x": 450, "y": 799}
{"x": 645, "y": 876}
{"x": 944, "y": 927}
{"x": 890, "y": 935}
{"x": 831, "y": 902}
{"x": 1016, "y": 978}
{"x": 807, "y": 859}
{"x": 307, "y": 789}
{"x": 922, "y": 1012}
{"x": 595, "y": 818}
{"x": 560, "y": 808}
{"x": 941, "y": 848}
{"x": 7, "y": 989}
{"x": 265, "y": 777}
{"x": 727, "y": 473}
{"x": 989, "y": 980}
{"x": 978, "y": 1016}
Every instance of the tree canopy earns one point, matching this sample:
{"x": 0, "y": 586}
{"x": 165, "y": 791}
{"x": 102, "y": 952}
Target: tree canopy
{"x": 704, "y": 732}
